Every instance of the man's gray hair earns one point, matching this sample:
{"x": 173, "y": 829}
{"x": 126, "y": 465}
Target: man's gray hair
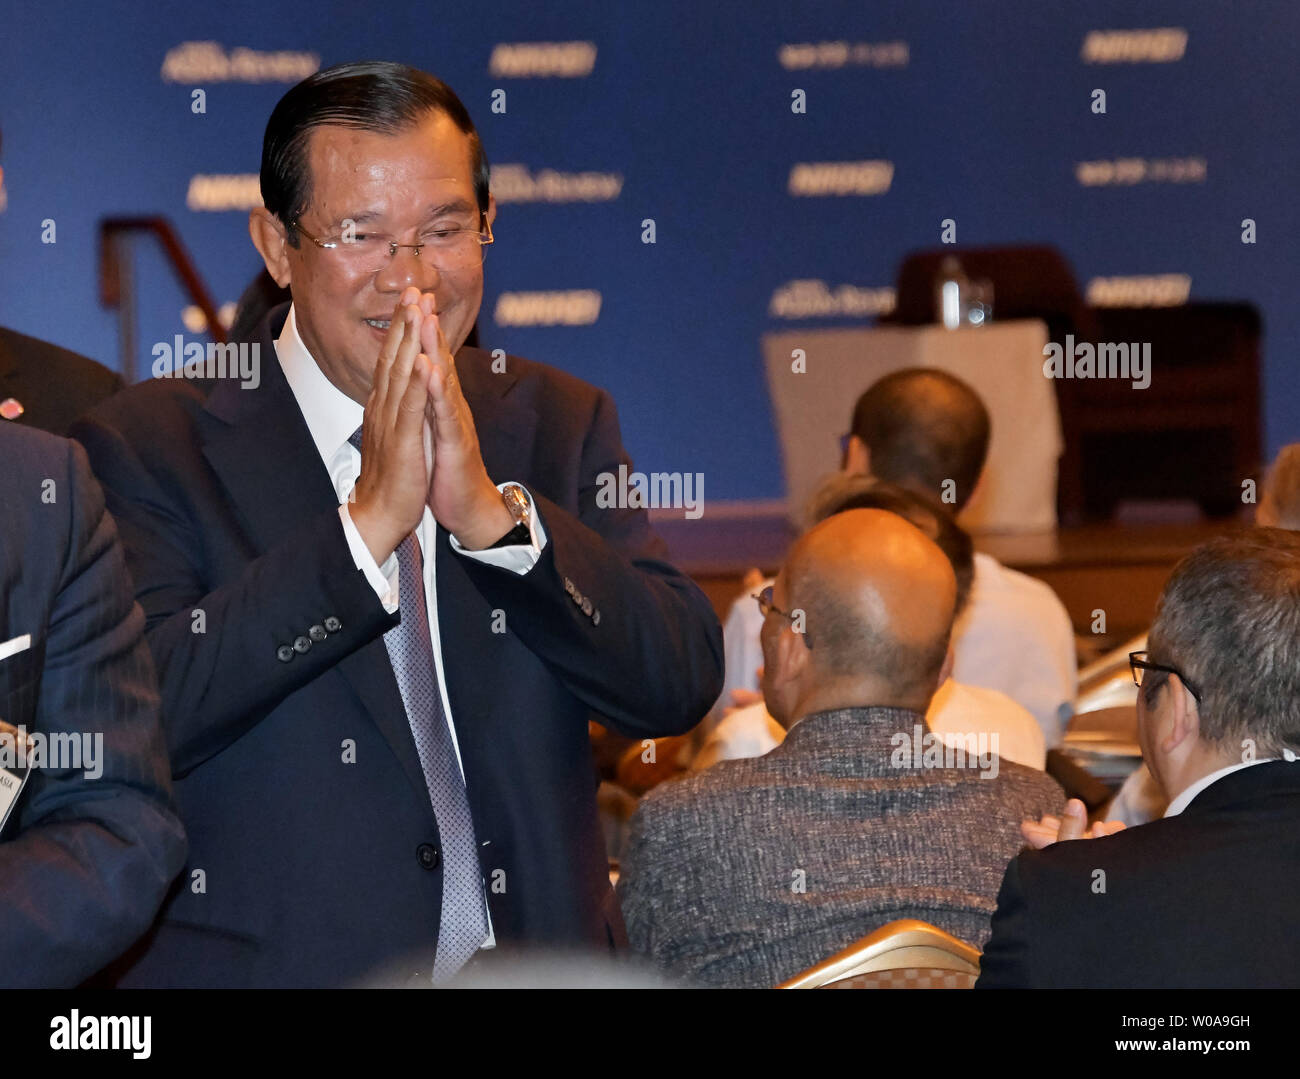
{"x": 1229, "y": 620}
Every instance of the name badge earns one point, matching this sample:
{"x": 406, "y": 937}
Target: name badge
{"x": 13, "y": 757}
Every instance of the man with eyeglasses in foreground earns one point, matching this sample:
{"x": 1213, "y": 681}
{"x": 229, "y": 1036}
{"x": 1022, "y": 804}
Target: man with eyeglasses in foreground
{"x": 381, "y": 597}
{"x": 1205, "y": 897}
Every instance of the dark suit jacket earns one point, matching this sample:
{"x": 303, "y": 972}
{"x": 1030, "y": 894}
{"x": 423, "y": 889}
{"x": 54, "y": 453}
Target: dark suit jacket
{"x": 753, "y": 870}
{"x": 53, "y": 385}
{"x": 1206, "y": 899}
{"x": 85, "y": 861}
{"x": 318, "y": 870}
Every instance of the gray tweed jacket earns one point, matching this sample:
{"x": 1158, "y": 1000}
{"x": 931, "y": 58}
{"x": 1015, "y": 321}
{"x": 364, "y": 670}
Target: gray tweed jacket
{"x": 747, "y": 873}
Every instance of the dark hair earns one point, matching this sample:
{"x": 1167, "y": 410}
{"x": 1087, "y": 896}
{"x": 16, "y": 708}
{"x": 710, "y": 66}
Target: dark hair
{"x": 842, "y": 493}
{"x": 1229, "y": 620}
{"x": 923, "y": 427}
{"x": 377, "y": 96}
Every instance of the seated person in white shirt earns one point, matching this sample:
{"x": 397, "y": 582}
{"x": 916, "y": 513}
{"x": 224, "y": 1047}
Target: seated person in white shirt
{"x": 924, "y": 429}
{"x": 957, "y": 711}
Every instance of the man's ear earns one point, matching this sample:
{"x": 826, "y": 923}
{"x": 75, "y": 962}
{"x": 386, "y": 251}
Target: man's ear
{"x": 945, "y": 672}
{"x": 1184, "y": 720}
{"x": 492, "y": 209}
{"x": 793, "y": 655}
{"x": 272, "y": 242}
{"x": 857, "y": 457}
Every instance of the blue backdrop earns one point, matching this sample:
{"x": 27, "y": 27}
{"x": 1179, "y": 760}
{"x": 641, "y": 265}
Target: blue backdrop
{"x": 981, "y": 108}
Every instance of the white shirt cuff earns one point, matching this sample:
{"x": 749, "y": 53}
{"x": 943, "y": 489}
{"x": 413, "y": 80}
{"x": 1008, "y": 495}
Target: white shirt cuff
{"x": 518, "y": 558}
{"x": 383, "y": 579}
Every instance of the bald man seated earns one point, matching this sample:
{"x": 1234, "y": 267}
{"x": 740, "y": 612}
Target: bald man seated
{"x": 748, "y": 873}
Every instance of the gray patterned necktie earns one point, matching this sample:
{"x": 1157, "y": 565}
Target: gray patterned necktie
{"x": 463, "y": 926}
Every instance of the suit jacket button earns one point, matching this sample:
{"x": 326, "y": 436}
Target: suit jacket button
{"x": 595, "y": 618}
{"x": 284, "y": 653}
{"x": 428, "y": 855}
{"x": 317, "y": 633}
{"x": 301, "y": 644}
{"x": 586, "y": 606}
{"x": 332, "y": 624}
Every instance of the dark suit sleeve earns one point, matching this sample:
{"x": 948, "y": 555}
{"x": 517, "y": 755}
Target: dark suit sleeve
{"x": 91, "y": 858}
{"x": 216, "y": 649}
{"x": 652, "y": 662}
{"x": 1005, "y": 962}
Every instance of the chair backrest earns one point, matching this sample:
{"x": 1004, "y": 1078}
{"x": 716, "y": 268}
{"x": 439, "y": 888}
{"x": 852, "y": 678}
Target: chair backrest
{"x": 906, "y": 954}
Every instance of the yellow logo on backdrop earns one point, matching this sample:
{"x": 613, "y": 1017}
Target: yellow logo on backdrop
{"x": 815, "y": 299}
{"x": 828, "y": 55}
{"x": 515, "y": 183}
{"x": 577, "y": 307}
{"x": 1162, "y": 46}
{"x": 543, "y": 59}
{"x": 1125, "y": 171}
{"x": 812, "y": 178}
{"x": 242, "y": 191}
{"x": 1152, "y": 290}
{"x": 207, "y": 61}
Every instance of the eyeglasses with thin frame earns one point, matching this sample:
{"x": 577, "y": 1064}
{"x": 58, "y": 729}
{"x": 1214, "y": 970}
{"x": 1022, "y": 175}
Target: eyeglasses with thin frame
{"x": 1139, "y": 664}
{"x": 444, "y": 249}
{"x": 765, "y": 604}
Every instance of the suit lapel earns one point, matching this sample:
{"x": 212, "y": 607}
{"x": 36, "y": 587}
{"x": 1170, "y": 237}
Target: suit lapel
{"x": 506, "y": 426}
{"x": 262, "y": 451}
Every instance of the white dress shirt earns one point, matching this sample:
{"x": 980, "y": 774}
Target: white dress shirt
{"x": 332, "y": 416}
{"x": 957, "y": 711}
{"x": 1015, "y": 636}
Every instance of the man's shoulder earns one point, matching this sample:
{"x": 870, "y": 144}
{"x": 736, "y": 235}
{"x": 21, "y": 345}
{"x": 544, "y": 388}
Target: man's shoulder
{"x": 1030, "y": 786}
{"x": 55, "y": 359}
{"x": 1138, "y": 851}
{"x": 25, "y": 448}
{"x": 151, "y": 405}
{"x": 33, "y": 460}
{"x": 701, "y": 793}
{"x": 530, "y": 376}
{"x": 992, "y": 576}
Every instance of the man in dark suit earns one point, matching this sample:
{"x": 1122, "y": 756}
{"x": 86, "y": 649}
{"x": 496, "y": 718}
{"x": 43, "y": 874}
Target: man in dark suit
{"x": 47, "y": 387}
{"x": 92, "y": 841}
{"x": 747, "y": 873}
{"x": 1204, "y": 897}
{"x": 380, "y": 632}
{"x": 44, "y": 386}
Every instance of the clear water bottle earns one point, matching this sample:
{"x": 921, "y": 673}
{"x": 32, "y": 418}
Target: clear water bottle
{"x": 951, "y": 293}
{"x": 959, "y": 301}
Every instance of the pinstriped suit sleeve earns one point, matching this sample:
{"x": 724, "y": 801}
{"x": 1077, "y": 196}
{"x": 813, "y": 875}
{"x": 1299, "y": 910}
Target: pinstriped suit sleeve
{"x": 86, "y": 863}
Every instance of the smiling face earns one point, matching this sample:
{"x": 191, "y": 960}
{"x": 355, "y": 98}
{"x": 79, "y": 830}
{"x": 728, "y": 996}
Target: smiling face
{"x": 399, "y": 186}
